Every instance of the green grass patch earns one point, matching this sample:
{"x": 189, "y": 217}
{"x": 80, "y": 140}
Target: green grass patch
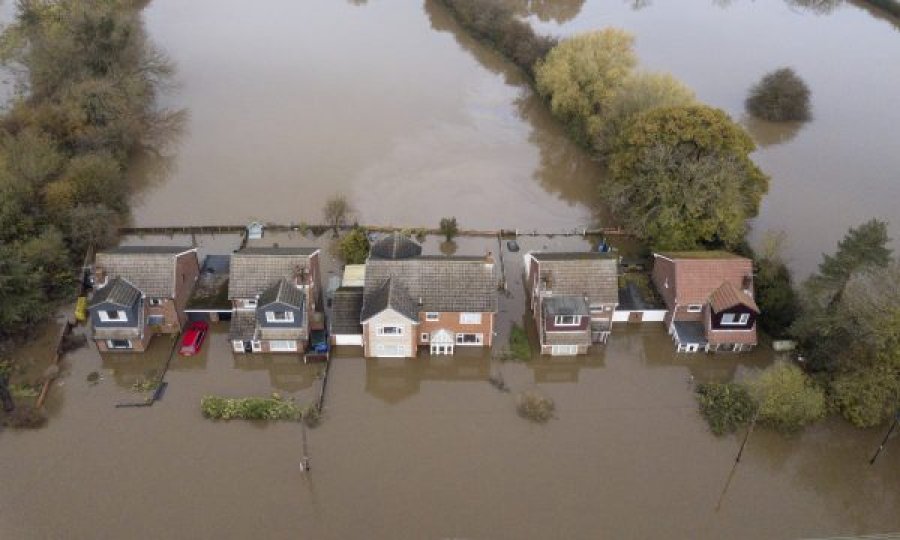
{"x": 252, "y": 408}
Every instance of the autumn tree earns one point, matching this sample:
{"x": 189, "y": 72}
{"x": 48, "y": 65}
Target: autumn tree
{"x": 354, "y": 246}
{"x": 786, "y": 398}
{"x": 582, "y": 75}
{"x": 682, "y": 178}
{"x": 781, "y": 96}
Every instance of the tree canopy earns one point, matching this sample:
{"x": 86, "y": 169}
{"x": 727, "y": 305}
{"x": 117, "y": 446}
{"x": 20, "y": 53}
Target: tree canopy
{"x": 682, "y": 178}
{"x": 582, "y": 75}
{"x": 787, "y": 398}
{"x": 781, "y": 96}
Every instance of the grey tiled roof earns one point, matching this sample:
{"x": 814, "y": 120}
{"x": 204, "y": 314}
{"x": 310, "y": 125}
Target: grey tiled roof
{"x": 566, "y": 305}
{"x": 253, "y": 270}
{"x": 345, "y": 311}
{"x": 118, "y": 292}
{"x": 443, "y": 284}
{"x": 243, "y": 325}
{"x": 282, "y": 291}
{"x": 389, "y": 294}
{"x": 149, "y": 268}
{"x": 594, "y": 275}
{"x": 395, "y": 246}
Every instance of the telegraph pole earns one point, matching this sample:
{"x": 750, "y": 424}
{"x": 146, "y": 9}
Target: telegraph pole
{"x": 886, "y": 437}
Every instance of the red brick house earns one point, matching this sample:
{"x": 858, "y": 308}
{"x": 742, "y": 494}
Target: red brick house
{"x": 411, "y": 301}
{"x": 709, "y": 297}
{"x": 572, "y": 297}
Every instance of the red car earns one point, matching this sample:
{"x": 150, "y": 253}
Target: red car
{"x": 193, "y": 338}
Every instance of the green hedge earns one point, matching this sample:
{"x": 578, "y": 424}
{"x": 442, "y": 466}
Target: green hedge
{"x": 251, "y": 408}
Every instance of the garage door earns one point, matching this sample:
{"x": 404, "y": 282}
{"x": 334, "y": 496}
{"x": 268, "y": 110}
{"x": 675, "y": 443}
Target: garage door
{"x": 390, "y": 350}
{"x": 348, "y": 339}
{"x": 564, "y": 350}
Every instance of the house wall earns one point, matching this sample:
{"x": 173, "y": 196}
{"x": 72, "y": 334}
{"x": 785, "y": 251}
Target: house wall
{"x": 549, "y": 325}
{"x": 716, "y": 318}
{"x": 278, "y": 306}
{"x": 168, "y": 309}
{"x": 449, "y": 320}
{"x": 138, "y": 345}
{"x": 371, "y": 339}
{"x": 717, "y": 338}
{"x": 664, "y": 269}
{"x": 187, "y": 270}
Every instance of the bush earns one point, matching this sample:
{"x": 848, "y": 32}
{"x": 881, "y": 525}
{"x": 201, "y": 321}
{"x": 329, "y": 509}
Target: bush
{"x": 26, "y": 417}
{"x": 252, "y": 408}
{"x": 787, "y": 398}
{"x": 781, "y": 96}
{"x": 354, "y": 246}
{"x": 725, "y": 406}
{"x": 494, "y": 21}
{"x": 519, "y": 348}
{"x": 535, "y": 407}
{"x": 867, "y": 397}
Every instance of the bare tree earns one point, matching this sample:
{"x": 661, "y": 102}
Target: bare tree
{"x": 337, "y": 212}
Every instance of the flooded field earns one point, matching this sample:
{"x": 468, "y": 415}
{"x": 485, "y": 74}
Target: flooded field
{"x": 391, "y": 104}
{"x": 427, "y": 448}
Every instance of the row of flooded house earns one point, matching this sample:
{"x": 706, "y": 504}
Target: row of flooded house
{"x": 401, "y": 302}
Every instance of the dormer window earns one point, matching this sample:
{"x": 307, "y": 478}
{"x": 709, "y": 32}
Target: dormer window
{"x": 567, "y": 320}
{"x": 280, "y": 316}
{"x": 735, "y": 319}
{"x": 695, "y": 308}
{"x": 113, "y": 315}
{"x": 156, "y": 301}
{"x": 250, "y": 303}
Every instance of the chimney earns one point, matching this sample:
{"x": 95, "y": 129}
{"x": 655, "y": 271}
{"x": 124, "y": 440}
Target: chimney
{"x": 489, "y": 259}
{"x": 421, "y": 301}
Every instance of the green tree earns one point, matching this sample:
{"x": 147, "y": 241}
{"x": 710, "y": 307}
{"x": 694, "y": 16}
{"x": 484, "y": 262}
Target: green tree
{"x": 354, "y": 246}
{"x": 787, "y": 398}
{"x": 682, "y": 178}
{"x": 725, "y": 406}
{"x": 449, "y": 228}
{"x": 781, "y": 96}
{"x": 774, "y": 289}
{"x": 639, "y": 93}
{"x": 22, "y": 299}
{"x": 91, "y": 225}
{"x": 582, "y": 75}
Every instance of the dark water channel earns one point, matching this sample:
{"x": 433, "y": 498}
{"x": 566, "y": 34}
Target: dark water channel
{"x": 391, "y": 104}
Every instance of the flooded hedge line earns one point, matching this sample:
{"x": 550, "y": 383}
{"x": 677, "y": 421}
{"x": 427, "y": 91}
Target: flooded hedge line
{"x": 251, "y": 408}
{"x": 891, "y": 6}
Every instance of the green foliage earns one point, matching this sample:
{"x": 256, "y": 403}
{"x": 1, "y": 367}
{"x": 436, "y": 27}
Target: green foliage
{"x": 781, "y": 96}
{"x": 448, "y": 228}
{"x": 535, "y": 407}
{"x": 354, "y": 246}
{"x": 862, "y": 247}
{"x": 24, "y": 391}
{"x": 639, "y": 93}
{"x": 26, "y": 417}
{"x": 787, "y": 398}
{"x": 683, "y": 178}
{"x": 144, "y": 385}
{"x": 725, "y": 406}
{"x": 582, "y": 75}
{"x": 868, "y": 397}
{"x": 519, "y": 348}
{"x": 495, "y": 21}
{"x": 252, "y": 408}
{"x": 774, "y": 290}
{"x": 23, "y": 302}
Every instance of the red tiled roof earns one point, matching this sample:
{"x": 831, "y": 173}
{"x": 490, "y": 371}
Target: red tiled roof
{"x": 728, "y": 296}
{"x": 696, "y": 277}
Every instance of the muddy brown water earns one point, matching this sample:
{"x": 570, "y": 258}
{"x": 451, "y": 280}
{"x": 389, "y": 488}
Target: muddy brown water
{"x": 428, "y": 448}
{"x": 390, "y": 103}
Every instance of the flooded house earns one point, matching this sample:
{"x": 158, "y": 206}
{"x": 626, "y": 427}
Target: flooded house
{"x": 140, "y": 291}
{"x": 572, "y": 297}
{"x": 709, "y": 300}
{"x": 274, "y": 292}
{"x": 435, "y": 302}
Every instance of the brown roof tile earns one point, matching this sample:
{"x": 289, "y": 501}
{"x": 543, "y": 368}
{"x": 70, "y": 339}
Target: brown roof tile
{"x": 728, "y": 296}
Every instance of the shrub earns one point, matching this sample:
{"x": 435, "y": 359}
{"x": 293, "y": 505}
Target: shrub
{"x": 787, "y": 398}
{"x": 26, "y": 417}
{"x": 252, "y": 408}
{"x": 519, "y": 348}
{"x": 781, "y": 96}
{"x": 535, "y": 407}
{"x": 354, "y": 246}
{"x": 725, "y": 406}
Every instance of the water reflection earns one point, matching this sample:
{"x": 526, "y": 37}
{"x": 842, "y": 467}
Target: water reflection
{"x": 565, "y": 169}
{"x": 393, "y": 380}
{"x": 565, "y": 369}
{"x": 767, "y": 133}
{"x": 287, "y": 372}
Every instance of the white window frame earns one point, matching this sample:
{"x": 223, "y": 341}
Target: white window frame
{"x": 155, "y": 301}
{"x": 742, "y": 321}
{"x": 426, "y": 337}
{"x": 282, "y": 345}
{"x": 694, "y": 308}
{"x": 470, "y": 318}
{"x": 288, "y": 317}
{"x": 432, "y": 316}
{"x": 381, "y": 331}
{"x": 460, "y": 339}
{"x": 559, "y": 320}
{"x": 237, "y": 345}
{"x": 563, "y": 350}
{"x": 122, "y": 316}
{"x": 256, "y": 345}
{"x": 151, "y": 318}
{"x": 110, "y": 345}
{"x": 250, "y": 303}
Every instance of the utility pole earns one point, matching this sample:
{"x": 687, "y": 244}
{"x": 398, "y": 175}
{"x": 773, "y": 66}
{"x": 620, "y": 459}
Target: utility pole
{"x": 886, "y": 437}
{"x": 737, "y": 459}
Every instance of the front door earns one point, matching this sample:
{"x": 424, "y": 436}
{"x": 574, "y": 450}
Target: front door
{"x": 248, "y": 346}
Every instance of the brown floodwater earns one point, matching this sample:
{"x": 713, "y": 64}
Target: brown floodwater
{"x": 428, "y": 448}
{"x": 391, "y": 104}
